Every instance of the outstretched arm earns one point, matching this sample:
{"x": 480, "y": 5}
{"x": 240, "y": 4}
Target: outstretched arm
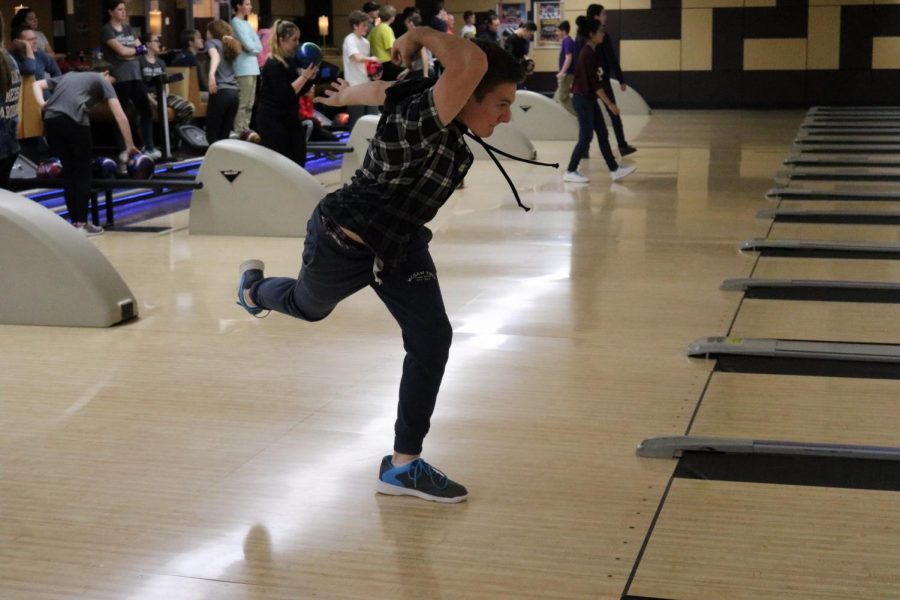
{"x": 371, "y": 93}
{"x": 122, "y": 121}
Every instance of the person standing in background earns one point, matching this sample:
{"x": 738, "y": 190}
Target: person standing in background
{"x": 371, "y": 9}
{"x": 610, "y": 62}
{"x": 277, "y": 116}
{"x": 468, "y": 29}
{"x": 121, "y": 49}
{"x": 381, "y": 40}
{"x": 246, "y": 67}
{"x": 587, "y": 89}
{"x": 68, "y": 128}
{"x": 356, "y": 53}
{"x": 566, "y": 74}
{"x": 10, "y": 90}
{"x": 223, "y": 49}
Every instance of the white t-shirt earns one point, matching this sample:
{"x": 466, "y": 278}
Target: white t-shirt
{"x": 468, "y": 31}
{"x": 355, "y": 72}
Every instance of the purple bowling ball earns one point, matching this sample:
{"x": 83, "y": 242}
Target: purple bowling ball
{"x": 140, "y": 166}
{"x": 104, "y": 168}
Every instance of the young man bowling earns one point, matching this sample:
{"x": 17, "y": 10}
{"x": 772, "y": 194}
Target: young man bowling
{"x": 372, "y": 233}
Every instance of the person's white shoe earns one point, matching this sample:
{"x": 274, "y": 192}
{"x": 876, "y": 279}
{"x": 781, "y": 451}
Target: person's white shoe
{"x": 575, "y": 177}
{"x": 623, "y": 172}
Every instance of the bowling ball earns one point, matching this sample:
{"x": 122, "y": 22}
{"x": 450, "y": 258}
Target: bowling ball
{"x": 308, "y": 54}
{"x": 373, "y": 69}
{"x": 140, "y": 166}
{"x": 342, "y": 119}
{"x": 248, "y": 135}
{"x": 51, "y": 168}
{"x": 104, "y": 167}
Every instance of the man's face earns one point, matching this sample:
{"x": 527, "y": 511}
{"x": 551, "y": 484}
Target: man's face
{"x": 361, "y": 29}
{"x": 493, "y": 24}
{"x": 482, "y": 117}
{"x": 197, "y": 44}
{"x": 29, "y": 37}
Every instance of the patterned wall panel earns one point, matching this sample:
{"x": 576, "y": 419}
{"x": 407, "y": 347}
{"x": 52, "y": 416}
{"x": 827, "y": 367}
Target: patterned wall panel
{"x": 760, "y": 53}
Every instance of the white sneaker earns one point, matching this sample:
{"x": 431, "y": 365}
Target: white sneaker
{"x": 575, "y": 177}
{"x": 623, "y": 172}
{"x": 89, "y": 229}
{"x": 153, "y": 153}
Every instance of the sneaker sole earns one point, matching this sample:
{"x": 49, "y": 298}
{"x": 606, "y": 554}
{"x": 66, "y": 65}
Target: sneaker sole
{"x": 249, "y": 265}
{"x": 394, "y": 490}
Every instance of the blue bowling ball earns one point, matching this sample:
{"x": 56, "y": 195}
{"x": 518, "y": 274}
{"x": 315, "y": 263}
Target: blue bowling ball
{"x": 140, "y": 166}
{"x": 104, "y": 167}
{"x": 308, "y": 54}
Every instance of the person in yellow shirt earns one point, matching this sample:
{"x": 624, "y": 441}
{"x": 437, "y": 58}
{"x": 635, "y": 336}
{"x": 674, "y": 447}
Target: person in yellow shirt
{"x": 381, "y": 40}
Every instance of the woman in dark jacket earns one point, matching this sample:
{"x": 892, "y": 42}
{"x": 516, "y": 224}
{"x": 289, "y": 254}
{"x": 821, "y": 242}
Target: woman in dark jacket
{"x": 277, "y": 120}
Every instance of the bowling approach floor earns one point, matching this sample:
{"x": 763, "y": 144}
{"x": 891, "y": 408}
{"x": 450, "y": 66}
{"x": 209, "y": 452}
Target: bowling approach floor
{"x": 199, "y": 453}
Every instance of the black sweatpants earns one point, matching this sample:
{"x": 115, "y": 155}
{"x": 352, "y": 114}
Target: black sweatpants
{"x": 220, "y": 113}
{"x": 71, "y": 143}
{"x": 6, "y": 165}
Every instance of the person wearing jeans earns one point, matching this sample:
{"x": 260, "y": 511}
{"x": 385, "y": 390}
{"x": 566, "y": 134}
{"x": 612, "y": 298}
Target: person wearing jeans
{"x": 586, "y": 90}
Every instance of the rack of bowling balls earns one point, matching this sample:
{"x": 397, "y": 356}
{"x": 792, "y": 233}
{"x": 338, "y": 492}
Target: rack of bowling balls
{"x": 105, "y": 177}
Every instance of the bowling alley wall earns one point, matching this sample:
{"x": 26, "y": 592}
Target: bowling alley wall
{"x": 735, "y": 53}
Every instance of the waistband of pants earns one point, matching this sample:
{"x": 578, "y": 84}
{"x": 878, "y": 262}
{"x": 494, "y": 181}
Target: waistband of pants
{"x": 338, "y": 234}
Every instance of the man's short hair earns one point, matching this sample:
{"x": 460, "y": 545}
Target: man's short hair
{"x": 467, "y": 14}
{"x": 370, "y": 7}
{"x": 529, "y": 25}
{"x": 187, "y": 36}
{"x": 502, "y": 68}
{"x": 19, "y": 29}
{"x": 357, "y": 17}
{"x": 387, "y": 12}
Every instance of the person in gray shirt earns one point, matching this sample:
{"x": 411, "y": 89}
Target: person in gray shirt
{"x": 68, "y": 129}
{"x": 121, "y": 49}
{"x": 224, "y": 93}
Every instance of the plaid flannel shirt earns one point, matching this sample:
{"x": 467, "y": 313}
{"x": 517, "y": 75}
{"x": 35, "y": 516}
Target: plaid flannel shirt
{"x": 413, "y": 164}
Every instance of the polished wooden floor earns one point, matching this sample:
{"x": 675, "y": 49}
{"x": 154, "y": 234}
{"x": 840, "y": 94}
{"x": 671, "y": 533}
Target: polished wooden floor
{"x": 199, "y": 453}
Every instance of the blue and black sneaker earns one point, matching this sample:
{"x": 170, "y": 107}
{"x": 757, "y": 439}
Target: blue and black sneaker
{"x": 251, "y": 271}
{"x": 419, "y": 479}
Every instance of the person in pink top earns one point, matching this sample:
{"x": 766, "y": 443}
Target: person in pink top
{"x": 264, "y": 40}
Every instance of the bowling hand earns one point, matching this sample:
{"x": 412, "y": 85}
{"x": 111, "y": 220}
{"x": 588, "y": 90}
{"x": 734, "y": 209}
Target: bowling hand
{"x": 613, "y": 108}
{"x": 333, "y": 95}
{"x": 310, "y": 72}
{"x": 404, "y": 50}
{"x": 132, "y": 150}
